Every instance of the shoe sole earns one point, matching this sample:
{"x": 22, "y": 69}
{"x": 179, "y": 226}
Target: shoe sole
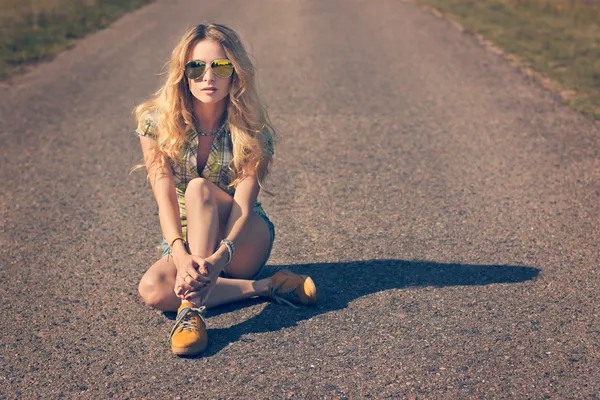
{"x": 311, "y": 290}
{"x": 187, "y": 351}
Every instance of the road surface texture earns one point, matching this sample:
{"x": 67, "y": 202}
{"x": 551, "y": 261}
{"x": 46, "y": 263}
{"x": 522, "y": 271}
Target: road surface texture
{"x": 446, "y": 207}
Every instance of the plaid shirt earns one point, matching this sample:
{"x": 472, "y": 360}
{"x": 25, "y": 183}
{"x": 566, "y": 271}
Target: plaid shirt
{"x": 216, "y": 169}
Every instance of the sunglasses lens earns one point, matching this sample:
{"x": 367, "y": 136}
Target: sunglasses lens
{"x": 194, "y": 69}
{"x": 222, "y": 68}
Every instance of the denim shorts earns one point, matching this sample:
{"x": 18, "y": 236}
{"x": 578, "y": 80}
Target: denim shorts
{"x": 259, "y": 211}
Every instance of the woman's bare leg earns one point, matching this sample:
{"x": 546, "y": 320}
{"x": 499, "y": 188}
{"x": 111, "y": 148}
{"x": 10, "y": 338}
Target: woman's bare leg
{"x": 156, "y": 288}
{"x": 208, "y": 209}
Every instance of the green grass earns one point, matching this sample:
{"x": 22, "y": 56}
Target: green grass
{"x": 35, "y": 30}
{"x": 559, "y": 39}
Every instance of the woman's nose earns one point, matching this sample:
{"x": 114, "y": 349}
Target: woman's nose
{"x": 209, "y": 75}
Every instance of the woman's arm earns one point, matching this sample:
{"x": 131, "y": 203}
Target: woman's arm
{"x": 244, "y": 201}
{"x": 163, "y": 187}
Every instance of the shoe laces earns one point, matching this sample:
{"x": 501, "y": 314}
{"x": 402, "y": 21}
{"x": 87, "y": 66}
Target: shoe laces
{"x": 186, "y": 322}
{"x": 285, "y": 295}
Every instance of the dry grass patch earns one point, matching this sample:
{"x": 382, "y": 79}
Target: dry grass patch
{"x": 560, "y": 39}
{"x": 34, "y": 30}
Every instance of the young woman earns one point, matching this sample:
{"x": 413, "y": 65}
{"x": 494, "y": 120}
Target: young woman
{"x": 207, "y": 145}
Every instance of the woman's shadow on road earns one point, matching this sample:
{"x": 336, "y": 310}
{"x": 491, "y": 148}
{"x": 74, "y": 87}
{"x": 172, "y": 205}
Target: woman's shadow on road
{"x": 340, "y": 283}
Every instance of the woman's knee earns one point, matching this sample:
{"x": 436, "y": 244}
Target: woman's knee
{"x": 152, "y": 290}
{"x": 200, "y": 190}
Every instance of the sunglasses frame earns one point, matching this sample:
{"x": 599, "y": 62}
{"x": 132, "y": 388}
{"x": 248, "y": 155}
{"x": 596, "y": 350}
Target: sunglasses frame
{"x": 191, "y": 65}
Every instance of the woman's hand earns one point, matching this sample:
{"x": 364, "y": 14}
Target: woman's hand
{"x": 192, "y": 274}
{"x": 214, "y": 265}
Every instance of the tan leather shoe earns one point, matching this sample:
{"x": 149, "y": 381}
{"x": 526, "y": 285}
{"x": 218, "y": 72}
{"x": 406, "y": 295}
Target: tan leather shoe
{"x": 291, "y": 289}
{"x": 189, "y": 336}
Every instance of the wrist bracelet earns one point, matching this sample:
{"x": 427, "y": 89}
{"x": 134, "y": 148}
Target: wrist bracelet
{"x": 230, "y": 249}
{"x": 176, "y": 239}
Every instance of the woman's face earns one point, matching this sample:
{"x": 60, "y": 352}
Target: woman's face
{"x": 209, "y": 88}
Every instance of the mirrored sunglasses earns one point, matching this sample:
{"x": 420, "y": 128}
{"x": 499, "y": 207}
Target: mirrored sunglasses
{"x": 222, "y": 68}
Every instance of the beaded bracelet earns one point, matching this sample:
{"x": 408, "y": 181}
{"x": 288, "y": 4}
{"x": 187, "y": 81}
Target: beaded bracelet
{"x": 230, "y": 249}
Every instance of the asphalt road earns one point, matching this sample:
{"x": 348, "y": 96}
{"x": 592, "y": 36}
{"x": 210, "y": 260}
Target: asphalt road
{"x": 446, "y": 207}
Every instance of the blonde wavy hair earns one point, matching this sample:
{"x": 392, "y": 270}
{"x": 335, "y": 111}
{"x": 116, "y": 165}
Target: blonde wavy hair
{"x": 171, "y": 107}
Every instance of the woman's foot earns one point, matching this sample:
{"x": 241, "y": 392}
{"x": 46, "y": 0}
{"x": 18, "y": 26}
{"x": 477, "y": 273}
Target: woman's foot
{"x": 291, "y": 289}
{"x": 189, "y": 336}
